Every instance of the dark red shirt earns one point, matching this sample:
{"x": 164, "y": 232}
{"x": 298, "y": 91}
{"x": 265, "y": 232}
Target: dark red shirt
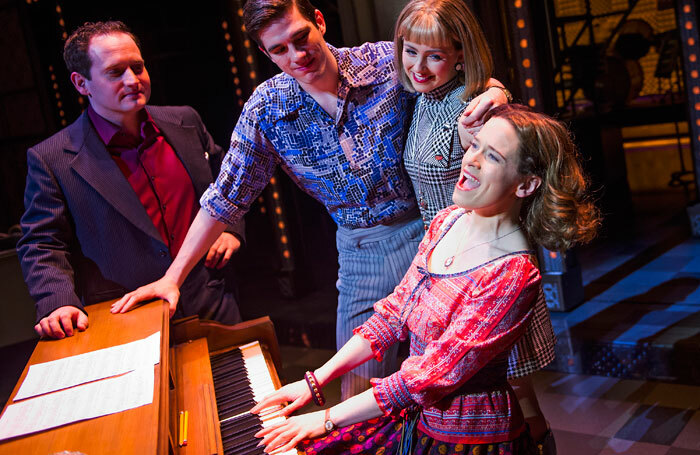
{"x": 156, "y": 174}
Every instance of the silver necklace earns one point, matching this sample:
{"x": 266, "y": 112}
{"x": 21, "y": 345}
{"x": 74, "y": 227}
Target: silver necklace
{"x": 450, "y": 260}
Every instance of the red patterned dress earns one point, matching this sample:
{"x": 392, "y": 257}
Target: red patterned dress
{"x": 461, "y": 328}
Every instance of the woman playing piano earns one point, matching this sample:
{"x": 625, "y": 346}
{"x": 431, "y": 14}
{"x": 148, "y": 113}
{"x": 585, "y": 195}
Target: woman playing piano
{"x": 445, "y": 58}
{"x": 519, "y": 183}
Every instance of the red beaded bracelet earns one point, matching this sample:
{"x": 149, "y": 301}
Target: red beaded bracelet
{"x": 316, "y": 393}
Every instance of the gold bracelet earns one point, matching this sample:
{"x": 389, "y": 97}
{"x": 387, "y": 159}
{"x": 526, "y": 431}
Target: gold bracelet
{"x": 506, "y": 92}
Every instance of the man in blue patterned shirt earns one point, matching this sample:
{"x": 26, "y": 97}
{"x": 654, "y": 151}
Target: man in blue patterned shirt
{"x": 335, "y": 120}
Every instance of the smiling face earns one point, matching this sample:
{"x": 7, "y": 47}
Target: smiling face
{"x": 297, "y": 46}
{"x": 119, "y": 84}
{"x": 429, "y": 66}
{"x": 490, "y": 182}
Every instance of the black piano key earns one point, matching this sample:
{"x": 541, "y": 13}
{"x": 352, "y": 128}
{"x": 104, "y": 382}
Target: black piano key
{"x": 226, "y": 357}
{"x": 243, "y": 419}
{"x": 236, "y": 388}
{"x": 238, "y": 427}
{"x": 236, "y": 401}
{"x": 231, "y": 376}
{"x": 223, "y": 369}
{"x": 250, "y": 446}
{"x": 233, "y": 388}
{"x": 228, "y": 413}
{"x": 236, "y": 404}
{"x": 237, "y": 431}
{"x": 235, "y": 410}
{"x": 233, "y": 363}
{"x": 253, "y": 451}
{"x": 241, "y": 438}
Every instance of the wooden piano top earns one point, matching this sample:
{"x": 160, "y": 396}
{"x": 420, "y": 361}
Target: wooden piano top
{"x": 132, "y": 431}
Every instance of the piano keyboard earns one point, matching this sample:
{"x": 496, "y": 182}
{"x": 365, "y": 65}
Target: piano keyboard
{"x": 241, "y": 379}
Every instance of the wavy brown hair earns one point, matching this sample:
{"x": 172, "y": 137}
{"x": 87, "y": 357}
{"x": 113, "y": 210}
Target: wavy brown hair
{"x": 560, "y": 212}
{"x": 445, "y": 22}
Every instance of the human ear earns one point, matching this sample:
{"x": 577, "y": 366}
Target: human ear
{"x": 528, "y": 186}
{"x": 79, "y": 82}
{"x": 320, "y": 22}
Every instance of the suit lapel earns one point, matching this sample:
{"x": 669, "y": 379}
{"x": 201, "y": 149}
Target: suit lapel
{"x": 184, "y": 139}
{"x": 94, "y": 164}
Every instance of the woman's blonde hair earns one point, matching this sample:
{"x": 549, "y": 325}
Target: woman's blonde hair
{"x": 559, "y": 213}
{"x": 446, "y": 22}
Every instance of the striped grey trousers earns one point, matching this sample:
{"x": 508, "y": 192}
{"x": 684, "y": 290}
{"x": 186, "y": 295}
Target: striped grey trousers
{"x": 372, "y": 262}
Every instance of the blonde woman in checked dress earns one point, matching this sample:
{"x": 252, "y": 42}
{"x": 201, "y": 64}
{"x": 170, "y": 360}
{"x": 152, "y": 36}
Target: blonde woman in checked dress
{"x": 465, "y": 301}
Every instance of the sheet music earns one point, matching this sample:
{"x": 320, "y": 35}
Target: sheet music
{"x": 87, "y": 401}
{"x": 90, "y": 366}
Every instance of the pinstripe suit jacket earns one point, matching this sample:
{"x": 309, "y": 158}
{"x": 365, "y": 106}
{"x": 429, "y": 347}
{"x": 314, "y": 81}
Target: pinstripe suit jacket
{"x": 86, "y": 235}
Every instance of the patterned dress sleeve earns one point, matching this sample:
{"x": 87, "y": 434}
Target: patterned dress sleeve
{"x": 246, "y": 168}
{"x": 486, "y": 324}
{"x": 384, "y": 327}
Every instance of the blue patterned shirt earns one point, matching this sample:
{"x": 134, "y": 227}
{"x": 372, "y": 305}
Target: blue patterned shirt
{"x": 351, "y": 164}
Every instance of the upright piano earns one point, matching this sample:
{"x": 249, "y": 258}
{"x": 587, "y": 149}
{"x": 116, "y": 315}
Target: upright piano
{"x": 213, "y": 371}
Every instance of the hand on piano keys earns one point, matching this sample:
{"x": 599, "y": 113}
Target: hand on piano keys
{"x": 285, "y": 435}
{"x": 296, "y": 393}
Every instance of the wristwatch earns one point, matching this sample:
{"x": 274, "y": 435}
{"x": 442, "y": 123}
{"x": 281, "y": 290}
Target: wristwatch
{"x": 328, "y": 423}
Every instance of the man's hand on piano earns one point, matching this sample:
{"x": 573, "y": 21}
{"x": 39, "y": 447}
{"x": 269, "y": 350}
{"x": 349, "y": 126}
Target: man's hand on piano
{"x": 295, "y": 393}
{"x": 286, "y": 435}
{"x": 61, "y": 321}
{"x": 162, "y": 289}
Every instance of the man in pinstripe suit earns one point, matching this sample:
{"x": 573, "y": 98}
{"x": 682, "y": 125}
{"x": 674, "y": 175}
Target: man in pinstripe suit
{"x": 109, "y": 198}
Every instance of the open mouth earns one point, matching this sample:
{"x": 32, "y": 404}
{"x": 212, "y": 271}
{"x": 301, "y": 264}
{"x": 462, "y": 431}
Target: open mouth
{"x": 421, "y": 79}
{"x": 467, "y": 182}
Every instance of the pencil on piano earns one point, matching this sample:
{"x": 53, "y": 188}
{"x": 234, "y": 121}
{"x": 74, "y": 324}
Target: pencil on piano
{"x": 184, "y": 438}
{"x": 182, "y": 428}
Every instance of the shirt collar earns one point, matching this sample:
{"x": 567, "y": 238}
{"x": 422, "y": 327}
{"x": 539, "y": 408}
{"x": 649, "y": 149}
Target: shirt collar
{"x": 358, "y": 72}
{"x": 445, "y": 89}
{"x": 108, "y": 130}
{"x": 353, "y": 71}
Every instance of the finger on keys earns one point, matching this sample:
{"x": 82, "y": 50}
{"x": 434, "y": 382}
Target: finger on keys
{"x": 289, "y": 446}
{"x": 292, "y": 407}
{"x": 280, "y": 440}
{"x": 267, "y": 430}
{"x": 266, "y": 402}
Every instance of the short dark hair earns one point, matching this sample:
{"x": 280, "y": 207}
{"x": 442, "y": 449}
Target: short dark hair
{"x": 75, "y": 51}
{"x": 257, "y": 14}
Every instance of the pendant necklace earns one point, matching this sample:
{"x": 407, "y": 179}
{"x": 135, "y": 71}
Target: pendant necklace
{"x": 451, "y": 259}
